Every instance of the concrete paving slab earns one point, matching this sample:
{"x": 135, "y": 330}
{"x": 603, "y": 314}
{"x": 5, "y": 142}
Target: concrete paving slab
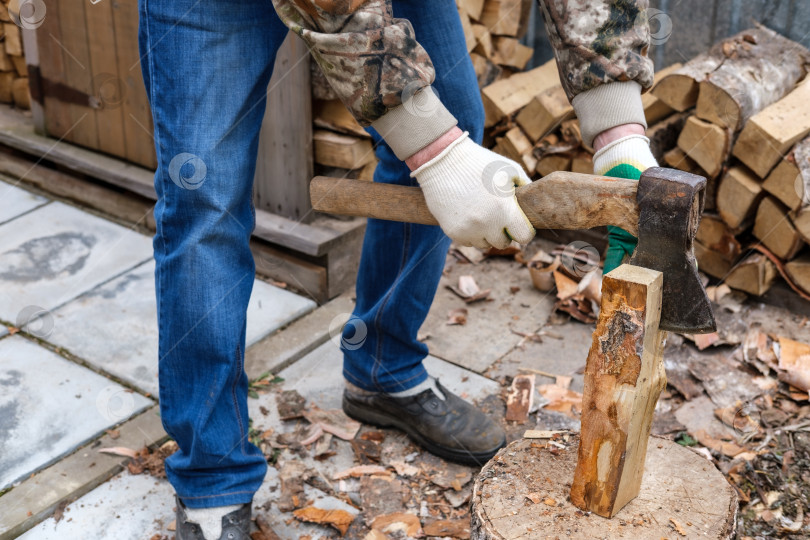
{"x": 17, "y": 201}
{"x": 49, "y": 406}
{"x": 487, "y": 335}
{"x": 56, "y": 252}
{"x": 319, "y": 377}
{"x": 114, "y": 326}
{"x": 128, "y": 507}
{"x": 564, "y": 356}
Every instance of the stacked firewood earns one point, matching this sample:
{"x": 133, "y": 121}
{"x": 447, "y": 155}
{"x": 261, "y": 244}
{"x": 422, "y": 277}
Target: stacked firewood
{"x": 746, "y": 127}
{"x": 13, "y": 71}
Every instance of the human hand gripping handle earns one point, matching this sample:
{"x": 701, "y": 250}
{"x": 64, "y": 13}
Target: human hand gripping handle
{"x": 471, "y": 192}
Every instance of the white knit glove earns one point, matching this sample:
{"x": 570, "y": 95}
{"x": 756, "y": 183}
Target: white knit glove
{"x": 471, "y": 192}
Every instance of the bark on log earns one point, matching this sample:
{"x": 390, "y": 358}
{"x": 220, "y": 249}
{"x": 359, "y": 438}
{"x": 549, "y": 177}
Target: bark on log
{"x": 529, "y": 467}
{"x": 760, "y": 68}
{"x": 624, "y": 375}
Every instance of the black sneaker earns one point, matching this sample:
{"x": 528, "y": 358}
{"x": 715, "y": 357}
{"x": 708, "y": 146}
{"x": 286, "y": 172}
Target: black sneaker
{"x": 450, "y": 428}
{"x": 235, "y": 526}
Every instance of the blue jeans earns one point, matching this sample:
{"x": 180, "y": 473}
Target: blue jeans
{"x": 206, "y": 66}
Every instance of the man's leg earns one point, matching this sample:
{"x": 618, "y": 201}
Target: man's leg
{"x": 206, "y": 67}
{"x": 402, "y": 263}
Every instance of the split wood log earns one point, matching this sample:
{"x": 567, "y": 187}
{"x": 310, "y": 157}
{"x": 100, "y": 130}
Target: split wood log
{"x": 344, "y": 151}
{"x": 502, "y": 17}
{"x": 483, "y": 41}
{"x": 545, "y": 112}
{"x": 677, "y": 159}
{"x": 7, "y": 86}
{"x": 799, "y": 271}
{"x": 507, "y": 96}
{"x": 511, "y": 53}
{"x": 582, "y": 162}
{"x": 664, "y": 135}
{"x": 624, "y": 375}
{"x": 19, "y": 90}
{"x": 760, "y": 67}
{"x": 554, "y": 162}
{"x": 789, "y": 181}
{"x": 754, "y": 274}
{"x": 679, "y": 89}
{"x": 523, "y": 493}
{"x": 775, "y": 230}
{"x": 708, "y": 144}
{"x": 334, "y": 115}
{"x": 466, "y": 27}
{"x": 654, "y": 108}
{"x": 6, "y": 62}
{"x": 716, "y": 247}
{"x": 20, "y": 65}
{"x": 738, "y": 195}
{"x": 486, "y": 71}
{"x": 13, "y": 39}
{"x": 770, "y": 133}
{"x": 473, "y": 7}
{"x": 515, "y": 144}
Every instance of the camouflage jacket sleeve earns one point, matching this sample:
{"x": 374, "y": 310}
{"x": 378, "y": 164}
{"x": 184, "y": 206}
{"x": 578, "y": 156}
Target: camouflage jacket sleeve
{"x": 599, "y": 41}
{"x": 369, "y": 57}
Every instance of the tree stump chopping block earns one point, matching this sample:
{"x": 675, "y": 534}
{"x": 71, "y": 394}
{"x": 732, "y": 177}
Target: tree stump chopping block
{"x": 524, "y": 491}
{"x": 681, "y": 489}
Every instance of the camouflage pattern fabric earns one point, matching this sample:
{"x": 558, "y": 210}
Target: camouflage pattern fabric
{"x": 599, "y": 41}
{"x": 367, "y": 55}
{"x": 370, "y": 58}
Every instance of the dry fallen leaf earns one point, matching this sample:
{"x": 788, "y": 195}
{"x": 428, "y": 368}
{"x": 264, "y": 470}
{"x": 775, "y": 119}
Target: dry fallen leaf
{"x": 535, "y": 497}
{"x": 548, "y": 501}
{"x": 677, "y": 527}
{"x": 398, "y": 522}
{"x": 339, "y": 519}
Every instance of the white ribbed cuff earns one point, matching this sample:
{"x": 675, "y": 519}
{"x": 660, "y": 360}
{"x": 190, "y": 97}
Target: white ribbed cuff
{"x": 420, "y": 120}
{"x": 607, "y": 106}
{"x": 631, "y": 150}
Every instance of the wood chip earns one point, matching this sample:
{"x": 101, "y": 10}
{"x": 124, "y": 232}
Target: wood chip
{"x": 677, "y": 526}
{"x": 339, "y": 519}
{"x": 455, "y": 528}
{"x": 520, "y": 399}
{"x": 360, "y": 470}
{"x": 540, "y": 434}
{"x": 457, "y": 317}
{"x": 333, "y": 421}
{"x": 398, "y": 522}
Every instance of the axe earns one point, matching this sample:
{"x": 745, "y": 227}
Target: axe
{"x": 662, "y": 209}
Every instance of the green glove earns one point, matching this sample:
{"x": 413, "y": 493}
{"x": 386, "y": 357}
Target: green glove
{"x": 627, "y": 157}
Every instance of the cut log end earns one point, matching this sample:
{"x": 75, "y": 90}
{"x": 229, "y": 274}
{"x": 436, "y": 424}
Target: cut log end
{"x": 528, "y": 470}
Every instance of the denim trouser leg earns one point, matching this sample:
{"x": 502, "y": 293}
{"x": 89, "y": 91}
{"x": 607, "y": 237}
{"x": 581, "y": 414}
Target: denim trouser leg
{"x": 401, "y": 263}
{"x": 206, "y": 67}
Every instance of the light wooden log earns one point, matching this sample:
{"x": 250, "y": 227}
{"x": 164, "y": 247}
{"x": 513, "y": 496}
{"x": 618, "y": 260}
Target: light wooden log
{"x": 679, "y": 89}
{"x": 486, "y": 71}
{"x": 483, "y": 41}
{"x": 344, "y": 151}
{"x": 717, "y": 236}
{"x": 789, "y": 181}
{"x": 624, "y": 375}
{"x": 6, "y": 86}
{"x": 473, "y": 7}
{"x": 710, "y": 262}
{"x": 6, "y": 63}
{"x": 706, "y": 143}
{"x": 511, "y": 53}
{"x": 544, "y": 112}
{"x": 582, "y": 162}
{"x": 523, "y": 493}
{"x": 19, "y": 90}
{"x": 770, "y": 133}
{"x": 738, "y": 195}
{"x": 774, "y": 229}
{"x": 799, "y": 271}
{"x": 515, "y": 143}
{"x": 507, "y": 96}
{"x": 654, "y": 108}
{"x": 553, "y": 162}
{"x": 502, "y": 17}
{"x": 760, "y": 67}
{"x": 755, "y": 274}
{"x": 332, "y": 114}
{"x": 13, "y": 39}
{"x": 20, "y": 65}
{"x": 466, "y": 26}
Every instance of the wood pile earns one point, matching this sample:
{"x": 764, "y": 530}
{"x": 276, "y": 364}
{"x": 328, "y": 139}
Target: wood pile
{"x": 13, "y": 70}
{"x": 736, "y": 114}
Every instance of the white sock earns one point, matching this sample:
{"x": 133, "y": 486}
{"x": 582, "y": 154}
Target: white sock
{"x": 429, "y": 383}
{"x": 631, "y": 150}
{"x": 210, "y": 519}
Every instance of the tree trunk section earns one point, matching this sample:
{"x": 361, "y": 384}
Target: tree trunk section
{"x": 678, "y": 484}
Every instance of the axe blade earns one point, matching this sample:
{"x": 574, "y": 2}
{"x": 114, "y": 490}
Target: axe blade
{"x": 670, "y": 205}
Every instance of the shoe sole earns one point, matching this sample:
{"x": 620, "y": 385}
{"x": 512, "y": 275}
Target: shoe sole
{"x": 475, "y": 459}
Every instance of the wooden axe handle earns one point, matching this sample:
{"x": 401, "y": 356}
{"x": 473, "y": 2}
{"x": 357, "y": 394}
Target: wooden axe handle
{"x": 560, "y": 200}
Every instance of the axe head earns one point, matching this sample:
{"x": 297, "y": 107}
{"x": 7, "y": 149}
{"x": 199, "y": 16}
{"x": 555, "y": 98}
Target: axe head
{"x": 670, "y": 204}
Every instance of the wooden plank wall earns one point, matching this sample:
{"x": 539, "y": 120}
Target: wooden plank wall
{"x": 696, "y": 24}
